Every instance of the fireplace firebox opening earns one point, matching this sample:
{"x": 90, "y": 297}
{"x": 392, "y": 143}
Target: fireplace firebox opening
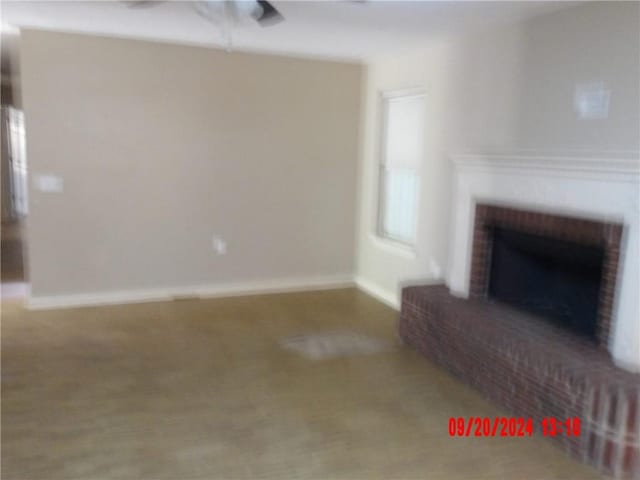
{"x": 555, "y": 279}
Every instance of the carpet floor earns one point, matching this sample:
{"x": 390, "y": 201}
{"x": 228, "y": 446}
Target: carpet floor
{"x": 211, "y": 389}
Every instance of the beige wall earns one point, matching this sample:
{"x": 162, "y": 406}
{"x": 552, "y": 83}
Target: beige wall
{"x": 505, "y": 89}
{"x": 599, "y": 42}
{"x": 160, "y": 146}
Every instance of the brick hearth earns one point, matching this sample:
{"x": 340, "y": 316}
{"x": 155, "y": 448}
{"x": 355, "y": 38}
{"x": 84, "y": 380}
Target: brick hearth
{"x": 533, "y": 369}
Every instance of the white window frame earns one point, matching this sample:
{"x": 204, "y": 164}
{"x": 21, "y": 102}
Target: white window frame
{"x": 380, "y": 233}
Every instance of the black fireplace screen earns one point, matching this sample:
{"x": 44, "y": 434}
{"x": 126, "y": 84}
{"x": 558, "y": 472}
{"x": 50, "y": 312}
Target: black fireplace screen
{"x": 552, "y": 278}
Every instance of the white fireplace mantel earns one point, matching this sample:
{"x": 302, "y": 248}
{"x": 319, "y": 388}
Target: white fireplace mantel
{"x": 600, "y": 188}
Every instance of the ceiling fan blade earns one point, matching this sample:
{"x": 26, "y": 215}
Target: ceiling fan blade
{"x": 267, "y": 14}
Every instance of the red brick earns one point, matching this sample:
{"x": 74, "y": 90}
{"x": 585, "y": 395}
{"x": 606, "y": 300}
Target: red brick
{"x": 631, "y": 459}
{"x": 494, "y": 349}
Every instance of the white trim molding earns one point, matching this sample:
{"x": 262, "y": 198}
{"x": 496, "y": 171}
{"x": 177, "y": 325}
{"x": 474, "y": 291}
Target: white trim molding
{"x": 122, "y": 297}
{"x": 197, "y": 291}
{"x": 376, "y": 291}
{"x": 603, "y": 187}
{"x": 624, "y": 166}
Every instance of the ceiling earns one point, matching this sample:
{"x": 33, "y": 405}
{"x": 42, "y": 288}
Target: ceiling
{"x": 350, "y": 30}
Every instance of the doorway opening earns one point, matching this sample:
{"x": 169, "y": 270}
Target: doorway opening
{"x": 15, "y": 204}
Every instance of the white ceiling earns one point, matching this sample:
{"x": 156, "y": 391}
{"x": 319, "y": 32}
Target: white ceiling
{"x": 344, "y": 30}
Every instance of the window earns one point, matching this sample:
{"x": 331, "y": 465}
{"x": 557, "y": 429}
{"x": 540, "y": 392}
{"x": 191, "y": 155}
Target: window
{"x": 403, "y": 126}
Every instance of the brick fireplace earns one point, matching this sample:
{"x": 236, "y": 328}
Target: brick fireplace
{"x": 560, "y": 211}
{"x": 586, "y": 200}
{"x": 576, "y": 232}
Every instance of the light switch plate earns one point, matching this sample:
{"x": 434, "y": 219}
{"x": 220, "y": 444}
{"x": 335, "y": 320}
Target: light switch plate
{"x": 219, "y": 245}
{"x": 591, "y": 101}
{"x": 49, "y": 183}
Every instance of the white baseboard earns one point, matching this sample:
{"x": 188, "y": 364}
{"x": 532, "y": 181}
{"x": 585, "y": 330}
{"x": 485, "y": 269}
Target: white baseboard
{"x": 276, "y": 286}
{"x": 385, "y": 296}
{"x": 200, "y": 291}
{"x": 212, "y": 291}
